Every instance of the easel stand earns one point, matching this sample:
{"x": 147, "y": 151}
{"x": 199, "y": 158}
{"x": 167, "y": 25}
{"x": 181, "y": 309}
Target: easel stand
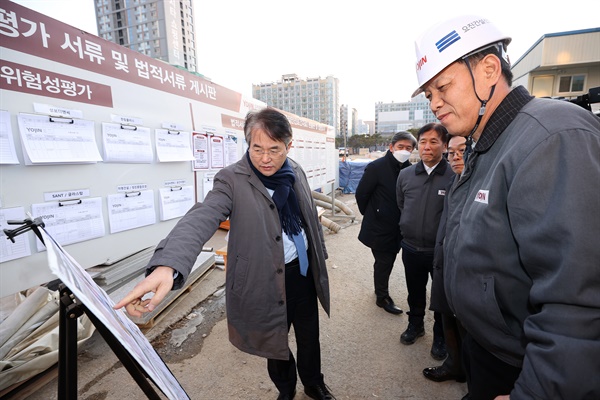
{"x": 69, "y": 311}
{"x": 67, "y": 350}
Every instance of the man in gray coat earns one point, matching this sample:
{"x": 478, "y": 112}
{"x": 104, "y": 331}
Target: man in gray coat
{"x": 276, "y": 267}
{"x": 521, "y": 254}
{"x": 420, "y": 192}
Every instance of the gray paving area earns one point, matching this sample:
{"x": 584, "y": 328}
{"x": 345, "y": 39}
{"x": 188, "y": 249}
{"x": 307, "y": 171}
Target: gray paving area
{"x": 361, "y": 352}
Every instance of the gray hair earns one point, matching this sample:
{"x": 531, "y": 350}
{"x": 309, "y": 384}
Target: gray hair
{"x": 403, "y": 135}
{"x": 274, "y": 123}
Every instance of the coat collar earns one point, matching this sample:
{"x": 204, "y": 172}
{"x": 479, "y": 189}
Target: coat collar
{"x": 440, "y": 169}
{"x": 243, "y": 167}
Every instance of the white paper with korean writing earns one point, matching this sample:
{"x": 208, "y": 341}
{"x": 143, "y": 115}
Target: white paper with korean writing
{"x": 174, "y": 202}
{"x": 71, "y": 221}
{"x": 217, "y": 152}
{"x": 8, "y": 154}
{"x": 126, "y": 144}
{"x": 131, "y": 210}
{"x": 95, "y": 299}
{"x": 200, "y": 142}
{"x": 173, "y": 146}
{"x": 48, "y": 140}
{"x": 231, "y": 149}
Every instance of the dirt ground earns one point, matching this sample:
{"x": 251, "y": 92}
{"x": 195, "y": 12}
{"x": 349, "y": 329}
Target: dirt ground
{"x": 362, "y": 356}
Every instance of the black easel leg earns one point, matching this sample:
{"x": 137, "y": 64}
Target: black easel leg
{"x": 67, "y": 347}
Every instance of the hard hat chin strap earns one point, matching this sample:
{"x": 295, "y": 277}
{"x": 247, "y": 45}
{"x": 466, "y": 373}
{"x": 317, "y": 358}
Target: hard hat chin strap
{"x": 469, "y": 141}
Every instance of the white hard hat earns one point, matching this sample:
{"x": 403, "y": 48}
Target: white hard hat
{"x": 450, "y": 40}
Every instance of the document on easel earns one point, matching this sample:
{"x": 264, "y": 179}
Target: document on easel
{"x": 8, "y": 154}
{"x": 20, "y": 248}
{"x": 57, "y": 140}
{"x": 71, "y": 221}
{"x": 95, "y": 299}
{"x": 173, "y": 145}
{"x": 131, "y": 210}
{"x": 126, "y": 143}
{"x": 175, "y": 201}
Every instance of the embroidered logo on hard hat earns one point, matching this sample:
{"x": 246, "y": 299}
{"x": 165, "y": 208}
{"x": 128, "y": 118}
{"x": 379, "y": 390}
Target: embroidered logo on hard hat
{"x": 447, "y": 41}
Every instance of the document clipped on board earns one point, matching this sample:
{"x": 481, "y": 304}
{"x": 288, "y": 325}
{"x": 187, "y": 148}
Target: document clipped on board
{"x": 57, "y": 140}
{"x": 71, "y": 221}
{"x": 8, "y": 154}
{"x": 131, "y": 210}
{"x": 126, "y": 143}
{"x": 173, "y": 145}
{"x": 175, "y": 201}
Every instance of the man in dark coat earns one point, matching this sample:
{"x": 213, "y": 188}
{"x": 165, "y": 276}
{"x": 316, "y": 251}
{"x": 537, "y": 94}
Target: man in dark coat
{"x": 376, "y": 200}
{"x": 452, "y": 367}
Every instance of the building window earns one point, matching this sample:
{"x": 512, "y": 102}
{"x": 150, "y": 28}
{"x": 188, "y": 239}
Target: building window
{"x": 571, "y": 83}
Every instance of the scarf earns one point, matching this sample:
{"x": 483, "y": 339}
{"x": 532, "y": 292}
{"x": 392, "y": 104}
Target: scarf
{"x": 284, "y": 197}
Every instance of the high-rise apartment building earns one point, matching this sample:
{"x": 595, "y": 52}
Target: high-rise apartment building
{"x": 161, "y": 29}
{"x": 313, "y": 98}
{"x": 354, "y": 119}
{"x": 345, "y": 127}
{"x": 393, "y": 117}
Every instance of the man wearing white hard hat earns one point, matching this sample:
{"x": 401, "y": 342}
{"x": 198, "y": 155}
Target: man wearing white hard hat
{"x": 521, "y": 254}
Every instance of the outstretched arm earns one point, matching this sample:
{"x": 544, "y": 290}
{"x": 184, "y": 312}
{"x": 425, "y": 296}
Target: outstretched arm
{"x": 159, "y": 282}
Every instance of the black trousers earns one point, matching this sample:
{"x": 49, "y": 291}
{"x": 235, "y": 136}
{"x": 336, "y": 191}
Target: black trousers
{"x": 487, "y": 375}
{"x": 382, "y": 269}
{"x": 418, "y": 267}
{"x": 303, "y": 313}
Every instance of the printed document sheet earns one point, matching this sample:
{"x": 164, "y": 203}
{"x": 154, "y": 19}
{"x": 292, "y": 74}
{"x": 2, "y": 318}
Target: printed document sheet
{"x": 71, "y": 221}
{"x": 57, "y": 140}
{"x": 131, "y": 210}
{"x": 175, "y": 202}
{"x": 126, "y": 144}
{"x": 8, "y": 154}
{"x": 173, "y": 146}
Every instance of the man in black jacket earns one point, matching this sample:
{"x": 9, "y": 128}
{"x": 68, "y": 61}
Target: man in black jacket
{"x": 420, "y": 191}
{"x": 376, "y": 200}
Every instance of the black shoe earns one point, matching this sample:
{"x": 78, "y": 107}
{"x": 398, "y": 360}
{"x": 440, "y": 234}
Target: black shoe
{"x": 441, "y": 374}
{"x": 466, "y": 397}
{"x": 318, "y": 392}
{"x": 287, "y": 396}
{"x": 414, "y": 331}
{"x": 388, "y": 305}
{"x": 438, "y": 349}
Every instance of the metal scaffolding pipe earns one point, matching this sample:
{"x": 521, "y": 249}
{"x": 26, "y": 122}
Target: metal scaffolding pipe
{"x": 337, "y": 203}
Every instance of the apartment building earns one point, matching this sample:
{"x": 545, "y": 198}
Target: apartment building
{"x": 312, "y": 98}
{"x": 161, "y": 29}
{"x": 393, "y": 117}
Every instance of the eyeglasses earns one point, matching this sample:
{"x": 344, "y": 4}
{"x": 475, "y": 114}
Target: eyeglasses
{"x": 460, "y": 153}
{"x": 273, "y": 153}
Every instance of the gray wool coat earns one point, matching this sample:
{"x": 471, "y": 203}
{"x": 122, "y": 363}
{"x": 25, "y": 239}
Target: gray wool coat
{"x": 255, "y": 277}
